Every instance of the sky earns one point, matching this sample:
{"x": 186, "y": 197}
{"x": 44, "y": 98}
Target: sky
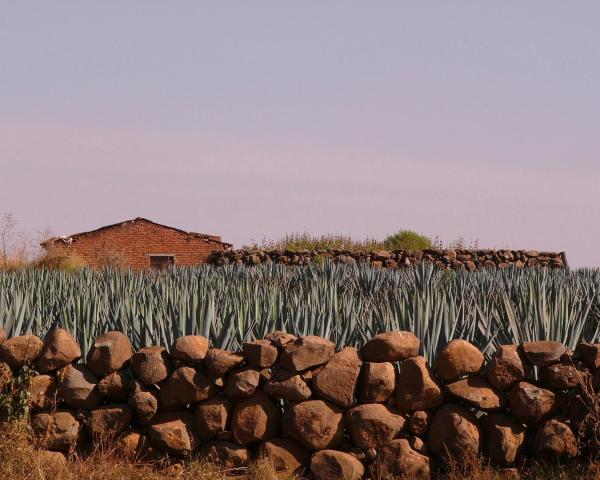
{"x": 253, "y": 119}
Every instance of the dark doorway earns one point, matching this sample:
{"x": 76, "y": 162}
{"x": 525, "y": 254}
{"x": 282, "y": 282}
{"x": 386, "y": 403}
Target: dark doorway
{"x": 161, "y": 262}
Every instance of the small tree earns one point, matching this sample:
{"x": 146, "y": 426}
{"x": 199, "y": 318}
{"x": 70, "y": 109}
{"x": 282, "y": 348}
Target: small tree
{"x": 407, "y": 240}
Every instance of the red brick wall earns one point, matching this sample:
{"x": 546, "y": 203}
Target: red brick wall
{"x": 132, "y": 243}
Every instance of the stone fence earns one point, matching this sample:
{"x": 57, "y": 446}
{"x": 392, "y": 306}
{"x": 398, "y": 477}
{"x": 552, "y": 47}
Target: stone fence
{"x": 378, "y": 412}
{"x": 447, "y": 259}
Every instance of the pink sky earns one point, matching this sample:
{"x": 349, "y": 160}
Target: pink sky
{"x": 256, "y": 121}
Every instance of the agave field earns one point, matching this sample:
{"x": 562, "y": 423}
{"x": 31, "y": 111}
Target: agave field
{"x": 347, "y": 304}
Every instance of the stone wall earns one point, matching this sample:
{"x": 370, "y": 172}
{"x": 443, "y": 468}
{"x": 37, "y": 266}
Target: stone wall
{"x": 379, "y": 412}
{"x": 455, "y": 259}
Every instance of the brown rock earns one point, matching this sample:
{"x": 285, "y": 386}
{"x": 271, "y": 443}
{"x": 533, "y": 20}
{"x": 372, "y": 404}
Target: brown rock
{"x": 377, "y": 382}
{"x": 280, "y": 339}
{"x": 150, "y": 364}
{"x": 416, "y": 387}
{"x": 591, "y": 354}
{"x": 337, "y": 381}
{"x": 503, "y": 439}
{"x": 108, "y": 420}
{"x": 306, "y": 352}
{"x": 286, "y": 456}
{"x": 397, "y": 459}
{"x": 255, "y": 419}
{"x": 555, "y": 439}
{"x": 391, "y": 347}
{"x": 133, "y": 445}
{"x": 190, "y": 348}
{"x": 227, "y": 454}
{"x": 561, "y": 376}
{"x": 173, "y": 432}
{"x": 59, "y": 350}
{"x": 143, "y": 402}
{"x": 77, "y": 387}
{"x": 185, "y": 386}
{"x": 260, "y": 353}
{"x": 543, "y": 353}
{"x": 287, "y": 386}
{"x": 6, "y": 375}
{"x": 457, "y": 359}
{"x": 115, "y": 386}
{"x": 19, "y": 351}
{"x": 219, "y": 362}
{"x": 212, "y": 417}
{"x": 315, "y": 423}
{"x": 56, "y": 431}
{"x": 529, "y": 404}
{"x": 334, "y": 465}
{"x": 507, "y": 367}
{"x": 2, "y": 336}
{"x": 454, "y": 432}
{"x": 51, "y": 462}
{"x": 109, "y": 353}
{"x": 43, "y": 392}
{"x": 242, "y": 384}
{"x": 373, "y": 425}
{"x": 476, "y": 391}
{"x": 418, "y": 422}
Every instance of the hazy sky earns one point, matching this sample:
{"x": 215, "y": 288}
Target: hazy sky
{"x": 251, "y": 119}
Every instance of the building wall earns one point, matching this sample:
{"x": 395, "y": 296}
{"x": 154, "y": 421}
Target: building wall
{"x": 132, "y": 243}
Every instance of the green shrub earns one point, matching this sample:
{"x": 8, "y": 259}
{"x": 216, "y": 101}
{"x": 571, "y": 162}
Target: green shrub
{"x": 407, "y": 240}
{"x": 305, "y": 241}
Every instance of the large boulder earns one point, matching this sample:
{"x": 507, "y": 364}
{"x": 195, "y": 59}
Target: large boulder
{"x": 173, "y": 432}
{"x": 77, "y": 387}
{"x": 285, "y": 455}
{"x": 280, "y": 339}
{"x": 59, "y": 350}
{"x": 212, "y": 417}
{"x": 334, "y": 465}
{"x": 529, "y": 403}
{"x": 185, "y": 386}
{"x": 133, "y": 445}
{"x": 454, "y": 432}
{"x": 591, "y": 354}
{"x": 316, "y": 424}
{"x": 373, "y": 425}
{"x": 255, "y": 419}
{"x": 337, "y": 381}
{"x": 561, "y": 376}
{"x": 544, "y": 353}
{"x": 260, "y": 353}
{"x": 306, "y": 352}
{"x": 476, "y": 391}
{"x": 391, "y": 347}
{"x": 377, "y": 382}
{"x": 416, "y": 387}
{"x": 190, "y": 348}
{"x": 503, "y": 438}
{"x": 219, "y": 362}
{"x": 242, "y": 384}
{"x": 115, "y": 386}
{"x": 287, "y": 386}
{"x": 397, "y": 459}
{"x": 151, "y": 364}
{"x": 22, "y": 350}
{"x": 57, "y": 431}
{"x": 554, "y": 439}
{"x": 507, "y": 367}
{"x": 43, "y": 392}
{"x": 108, "y": 421}
{"x": 143, "y": 401}
{"x": 226, "y": 454}
{"x": 458, "y": 358}
{"x": 109, "y": 353}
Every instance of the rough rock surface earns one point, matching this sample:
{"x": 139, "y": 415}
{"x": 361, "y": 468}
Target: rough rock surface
{"x": 242, "y": 384}
{"x": 306, "y": 352}
{"x": 185, "y": 386}
{"x": 416, "y": 387}
{"x": 219, "y": 362}
{"x": 57, "y": 431}
{"x": 316, "y": 424}
{"x": 255, "y": 419}
{"x": 260, "y": 353}
{"x": 544, "y": 353}
{"x": 476, "y": 391}
{"x": 229, "y": 455}
{"x": 77, "y": 387}
{"x": 561, "y": 376}
{"x": 398, "y": 459}
{"x": 391, "y": 347}
{"x": 190, "y": 348}
{"x": 143, "y": 401}
{"x": 555, "y": 439}
{"x": 458, "y": 358}
{"x": 373, "y": 425}
{"x": 529, "y": 404}
{"x": 107, "y": 421}
{"x": 21, "y": 350}
{"x": 59, "y": 349}
{"x": 288, "y": 386}
{"x": 418, "y": 422}
{"x": 43, "y": 392}
{"x": 150, "y": 364}
{"x": 507, "y": 367}
{"x": 334, "y": 465}
{"x": 212, "y": 417}
{"x": 454, "y": 431}
{"x": 115, "y": 386}
{"x": 503, "y": 438}
{"x": 286, "y": 456}
{"x": 337, "y": 381}
{"x": 377, "y": 382}
{"x": 109, "y": 353}
{"x": 173, "y": 432}
{"x": 591, "y": 354}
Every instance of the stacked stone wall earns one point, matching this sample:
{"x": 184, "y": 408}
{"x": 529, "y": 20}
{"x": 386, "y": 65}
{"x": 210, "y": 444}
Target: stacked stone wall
{"x": 380, "y": 411}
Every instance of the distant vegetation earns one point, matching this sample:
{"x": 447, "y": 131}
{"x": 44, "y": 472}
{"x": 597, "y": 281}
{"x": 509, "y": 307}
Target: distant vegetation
{"x": 407, "y": 240}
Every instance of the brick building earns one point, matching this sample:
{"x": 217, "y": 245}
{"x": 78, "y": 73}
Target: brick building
{"x": 137, "y": 243}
